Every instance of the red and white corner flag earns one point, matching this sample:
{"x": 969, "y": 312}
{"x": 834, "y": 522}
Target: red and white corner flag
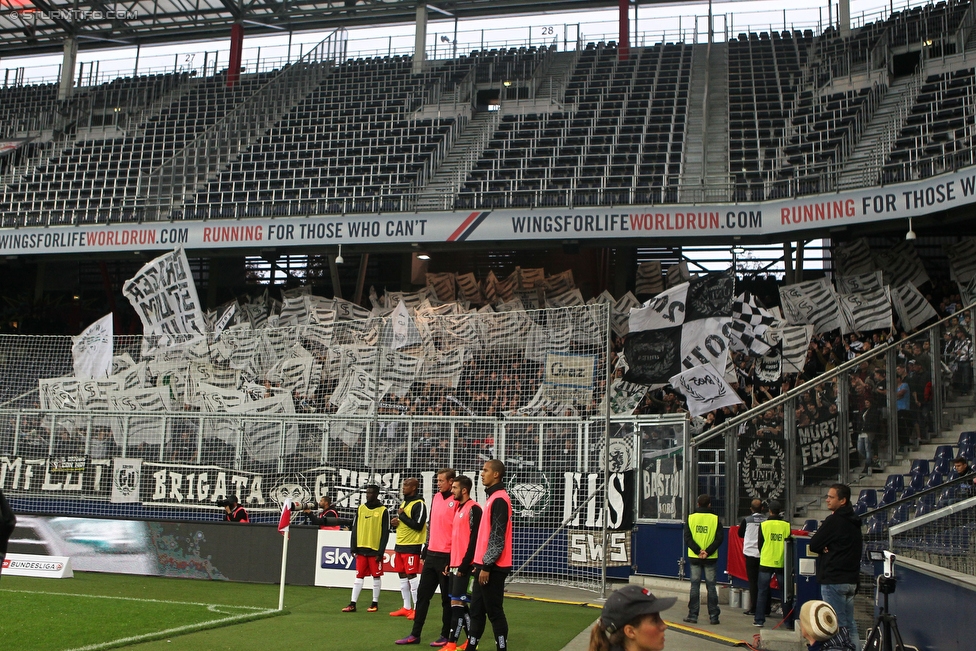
{"x": 285, "y": 522}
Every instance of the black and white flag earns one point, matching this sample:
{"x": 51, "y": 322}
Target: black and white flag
{"x": 866, "y": 310}
{"x": 399, "y": 371}
{"x": 650, "y": 281}
{"x": 678, "y": 274}
{"x": 164, "y": 296}
{"x": 665, "y": 310}
{"x": 266, "y": 436}
{"x": 653, "y": 356}
{"x": 913, "y": 310}
{"x": 705, "y": 390}
{"x": 794, "y": 342}
{"x": 443, "y": 369}
{"x": 860, "y": 283}
{"x": 469, "y": 289}
{"x": 561, "y": 282}
{"x": 901, "y": 265}
{"x": 854, "y": 258}
{"x": 442, "y": 285}
{"x": 139, "y": 427}
{"x": 620, "y": 315}
{"x": 91, "y": 351}
{"x": 813, "y": 302}
{"x": 962, "y": 260}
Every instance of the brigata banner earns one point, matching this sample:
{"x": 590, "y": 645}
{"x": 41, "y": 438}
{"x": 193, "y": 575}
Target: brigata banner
{"x": 782, "y": 219}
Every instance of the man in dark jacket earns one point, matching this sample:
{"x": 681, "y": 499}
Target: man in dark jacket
{"x": 7, "y": 523}
{"x": 703, "y": 536}
{"x": 749, "y": 532}
{"x": 838, "y": 542}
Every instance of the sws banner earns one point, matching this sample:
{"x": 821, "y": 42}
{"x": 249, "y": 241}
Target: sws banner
{"x": 776, "y": 219}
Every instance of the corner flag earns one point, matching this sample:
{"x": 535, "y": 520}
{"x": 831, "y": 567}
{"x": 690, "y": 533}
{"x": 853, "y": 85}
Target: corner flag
{"x": 285, "y": 522}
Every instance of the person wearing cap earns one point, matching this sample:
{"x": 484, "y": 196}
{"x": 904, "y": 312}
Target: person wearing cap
{"x": 631, "y": 621}
{"x": 234, "y": 512}
{"x": 703, "y": 536}
{"x": 818, "y": 626}
{"x": 773, "y": 534}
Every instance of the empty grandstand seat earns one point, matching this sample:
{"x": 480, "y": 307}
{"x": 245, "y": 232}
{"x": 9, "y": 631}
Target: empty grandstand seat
{"x": 811, "y": 524}
{"x": 919, "y": 467}
{"x": 889, "y": 495}
{"x": 869, "y": 497}
{"x": 908, "y": 492}
{"x": 925, "y": 504}
{"x": 916, "y": 482}
{"x": 967, "y": 438}
{"x": 895, "y": 481}
{"x": 875, "y": 525}
{"x": 900, "y": 513}
{"x": 943, "y": 465}
{"x": 935, "y": 479}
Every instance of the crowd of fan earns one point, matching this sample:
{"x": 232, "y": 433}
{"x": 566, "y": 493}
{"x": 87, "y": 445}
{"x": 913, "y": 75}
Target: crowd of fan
{"x": 503, "y": 386}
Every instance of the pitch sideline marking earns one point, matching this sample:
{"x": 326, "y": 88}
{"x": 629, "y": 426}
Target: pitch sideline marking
{"x": 179, "y": 630}
{"x": 141, "y": 599}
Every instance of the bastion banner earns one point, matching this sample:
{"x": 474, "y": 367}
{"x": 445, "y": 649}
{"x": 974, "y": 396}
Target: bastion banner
{"x": 776, "y": 219}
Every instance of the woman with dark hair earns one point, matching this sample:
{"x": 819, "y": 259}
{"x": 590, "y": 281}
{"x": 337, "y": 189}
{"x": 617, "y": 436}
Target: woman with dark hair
{"x": 631, "y": 621}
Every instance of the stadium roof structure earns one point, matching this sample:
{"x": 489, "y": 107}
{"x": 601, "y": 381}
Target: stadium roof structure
{"x": 40, "y": 26}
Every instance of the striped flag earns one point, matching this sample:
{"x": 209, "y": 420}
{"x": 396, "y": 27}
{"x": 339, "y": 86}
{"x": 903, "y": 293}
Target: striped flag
{"x": 967, "y": 292}
{"x": 854, "y": 258}
{"x": 443, "y": 286}
{"x": 901, "y": 265}
{"x": 794, "y": 342}
{"x": 913, "y": 310}
{"x": 813, "y": 302}
{"x": 650, "y": 282}
{"x": 962, "y": 260}
{"x": 868, "y": 310}
{"x": 560, "y": 282}
{"x": 620, "y": 316}
{"x": 469, "y": 289}
{"x": 860, "y": 282}
{"x": 678, "y": 274}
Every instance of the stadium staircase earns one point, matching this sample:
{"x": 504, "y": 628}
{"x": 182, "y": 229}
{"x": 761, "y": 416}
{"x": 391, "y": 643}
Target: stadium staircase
{"x": 447, "y": 180}
{"x": 553, "y": 87}
{"x": 809, "y": 499}
{"x": 861, "y": 167}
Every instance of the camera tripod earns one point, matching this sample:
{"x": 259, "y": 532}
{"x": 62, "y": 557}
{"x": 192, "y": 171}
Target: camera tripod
{"x": 884, "y": 635}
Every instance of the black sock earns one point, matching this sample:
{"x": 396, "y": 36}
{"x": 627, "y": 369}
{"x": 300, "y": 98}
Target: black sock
{"x": 457, "y": 621}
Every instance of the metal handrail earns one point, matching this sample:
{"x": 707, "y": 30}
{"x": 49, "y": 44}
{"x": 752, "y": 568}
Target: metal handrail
{"x": 809, "y": 384}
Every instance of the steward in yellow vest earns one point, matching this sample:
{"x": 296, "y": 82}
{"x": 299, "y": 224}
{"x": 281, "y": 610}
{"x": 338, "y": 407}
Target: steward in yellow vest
{"x": 703, "y": 536}
{"x": 773, "y": 534}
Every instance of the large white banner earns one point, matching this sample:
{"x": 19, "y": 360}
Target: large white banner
{"x": 782, "y": 219}
{"x": 92, "y": 349}
{"x": 165, "y": 298}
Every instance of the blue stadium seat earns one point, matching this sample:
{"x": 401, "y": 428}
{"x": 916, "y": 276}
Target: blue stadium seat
{"x": 925, "y": 504}
{"x": 869, "y": 497}
{"x": 935, "y": 479}
{"x": 916, "y": 483}
{"x": 860, "y": 508}
{"x": 900, "y": 513}
{"x": 919, "y": 467}
{"x": 968, "y": 452}
{"x": 888, "y": 496}
{"x": 895, "y": 481}
{"x": 811, "y": 524}
{"x": 908, "y": 492}
{"x": 966, "y": 438}
{"x": 875, "y": 525}
{"x": 942, "y": 463}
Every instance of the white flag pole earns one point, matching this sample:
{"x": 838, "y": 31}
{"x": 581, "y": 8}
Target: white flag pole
{"x": 284, "y": 562}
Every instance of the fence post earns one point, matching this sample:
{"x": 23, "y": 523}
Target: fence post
{"x": 792, "y": 477}
{"x": 844, "y": 431}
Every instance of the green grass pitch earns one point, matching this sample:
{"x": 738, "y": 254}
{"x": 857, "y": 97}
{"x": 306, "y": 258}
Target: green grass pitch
{"x": 101, "y": 611}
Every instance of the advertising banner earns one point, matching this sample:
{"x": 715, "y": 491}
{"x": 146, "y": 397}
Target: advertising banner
{"x": 43, "y": 567}
{"x": 782, "y": 218}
